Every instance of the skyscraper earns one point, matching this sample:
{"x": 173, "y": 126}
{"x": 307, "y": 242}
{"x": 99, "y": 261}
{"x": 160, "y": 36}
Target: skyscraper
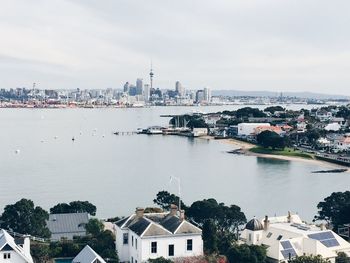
{"x": 146, "y": 92}
{"x": 126, "y": 87}
{"x": 207, "y": 94}
{"x": 179, "y": 89}
{"x": 139, "y": 86}
{"x": 151, "y": 74}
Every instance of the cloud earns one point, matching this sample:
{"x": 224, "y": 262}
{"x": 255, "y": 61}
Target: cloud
{"x": 279, "y": 45}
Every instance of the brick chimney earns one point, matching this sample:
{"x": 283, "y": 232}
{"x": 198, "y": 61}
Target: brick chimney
{"x": 173, "y": 210}
{"x": 266, "y": 223}
{"x": 289, "y": 217}
{"x": 182, "y": 215}
{"x": 139, "y": 212}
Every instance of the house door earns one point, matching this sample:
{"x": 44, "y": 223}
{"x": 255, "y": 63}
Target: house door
{"x": 171, "y": 250}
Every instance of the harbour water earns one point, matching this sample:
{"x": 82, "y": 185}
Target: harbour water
{"x": 118, "y": 173}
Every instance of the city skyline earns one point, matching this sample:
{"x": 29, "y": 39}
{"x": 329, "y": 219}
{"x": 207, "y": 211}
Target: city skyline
{"x": 276, "y": 46}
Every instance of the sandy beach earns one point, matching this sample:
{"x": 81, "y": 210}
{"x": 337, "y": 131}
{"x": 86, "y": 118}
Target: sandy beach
{"x": 246, "y": 146}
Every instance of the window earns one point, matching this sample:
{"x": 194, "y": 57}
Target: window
{"x": 136, "y": 243}
{"x": 7, "y": 255}
{"x": 189, "y": 244}
{"x": 153, "y": 247}
{"x": 132, "y": 260}
{"x": 171, "y": 250}
{"x": 250, "y": 237}
{"x": 125, "y": 238}
{"x": 269, "y": 235}
{"x": 279, "y": 237}
{"x": 132, "y": 241}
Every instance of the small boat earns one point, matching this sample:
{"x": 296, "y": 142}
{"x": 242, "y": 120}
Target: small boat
{"x": 116, "y": 133}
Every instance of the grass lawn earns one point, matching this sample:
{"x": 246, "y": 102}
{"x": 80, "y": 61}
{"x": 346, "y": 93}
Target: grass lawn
{"x": 286, "y": 152}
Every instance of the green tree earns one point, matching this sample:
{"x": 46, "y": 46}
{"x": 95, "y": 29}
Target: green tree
{"x": 273, "y": 109}
{"x": 74, "y": 207}
{"x": 247, "y": 254}
{"x": 160, "y": 260}
{"x": 270, "y": 139}
{"x": 23, "y": 217}
{"x": 335, "y": 208}
{"x": 164, "y": 199}
{"x": 247, "y": 112}
{"x": 40, "y": 252}
{"x": 342, "y": 258}
{"x": 210, "y": 237}
{"x": 94, "y": 227}
{"x": 309, "y": 259}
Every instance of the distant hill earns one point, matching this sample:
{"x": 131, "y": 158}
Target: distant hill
{"x": 307, "y": 95}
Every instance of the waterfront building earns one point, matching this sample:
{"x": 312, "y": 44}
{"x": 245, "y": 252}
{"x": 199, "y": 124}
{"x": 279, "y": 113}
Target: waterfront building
{"x": 179, "y": 89}
{"x": 146, "y": 92}
{"x": 287, "y": 237}
{"x": 14, "y": 251}
{"x": 207, "y": 94}
{"x": 67, "y": 226}
{"x": 200, "y": 96}
{"x": 126, "y": 87}
{"x": 139, "y": 86}
{"x": 247, "y": 129}
{"x": 144, "y": 236}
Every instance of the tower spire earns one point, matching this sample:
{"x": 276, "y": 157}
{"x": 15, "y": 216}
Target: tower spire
{"x": 151, "y": 75}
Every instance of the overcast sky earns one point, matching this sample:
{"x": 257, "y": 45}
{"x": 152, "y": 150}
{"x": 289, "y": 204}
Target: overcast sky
{"x": 277, "y": 45}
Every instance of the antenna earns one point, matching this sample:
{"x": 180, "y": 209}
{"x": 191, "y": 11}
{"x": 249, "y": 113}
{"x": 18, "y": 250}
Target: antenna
{"x": 177, "y": 179}
{"x": 151, "y": 74}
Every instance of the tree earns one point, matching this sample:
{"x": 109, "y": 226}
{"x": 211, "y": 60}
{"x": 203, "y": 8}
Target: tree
{"x": 309, "y": 259}
{"x": 40, "y": 252}
{"x": 164, "y": 199}
{"x": 270, "y": 139}
{"x": 249, "y": 112}
{"x": 25, "y": 218}
{"x": 247, "y": 254}
{"x": 342, "y": 258}
{"x": 160, "y": 260}
{"x": 335, "y": 208}
{"x": 210, "y": 237}
{"x": 273, "y": 109}
{"x": 74, "y": 207}
{"x": 94, "y": 227}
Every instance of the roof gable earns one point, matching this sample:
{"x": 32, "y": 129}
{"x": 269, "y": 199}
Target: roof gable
{"x": 88, "y": 255}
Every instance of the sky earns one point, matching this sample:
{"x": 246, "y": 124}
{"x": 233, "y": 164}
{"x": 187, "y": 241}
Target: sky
{"x": 289, "y": 45}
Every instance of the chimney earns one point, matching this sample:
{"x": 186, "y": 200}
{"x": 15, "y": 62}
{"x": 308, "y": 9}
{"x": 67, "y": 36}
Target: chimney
{"x": 26, "y": 245}
{"x": 182, "y": 215}
{"x": 322, "y": 226}
{"x": 139, "y": 212}
{"x": 173, "y": 210}
{"x": 289, "y": 217}
{"x": 266, "y": 223}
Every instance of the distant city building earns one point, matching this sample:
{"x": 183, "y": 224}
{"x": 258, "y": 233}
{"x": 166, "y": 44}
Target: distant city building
{"x": 139, "y": 86}
{"x": 179, "y": 89}
{"x": 200, "y": 96}
{"x": 207, "y": 94}
{"x": 146, "y": 92}
{"x": 126, "y": 87}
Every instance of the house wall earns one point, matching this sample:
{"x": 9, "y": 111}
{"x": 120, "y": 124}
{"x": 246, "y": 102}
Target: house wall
{"x": 245, "y": 129}
{"x": 180, "y": 246}
{"x": 15, "y": 258}
{"x": 122, "y": 249}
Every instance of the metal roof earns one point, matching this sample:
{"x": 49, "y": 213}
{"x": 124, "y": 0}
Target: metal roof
{"x": 88, "y": 255}
{"x": 67, "y": 223}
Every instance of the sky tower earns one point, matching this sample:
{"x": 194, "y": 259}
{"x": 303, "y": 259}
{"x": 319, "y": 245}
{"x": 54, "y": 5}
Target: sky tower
{"x": 151, "y": 75}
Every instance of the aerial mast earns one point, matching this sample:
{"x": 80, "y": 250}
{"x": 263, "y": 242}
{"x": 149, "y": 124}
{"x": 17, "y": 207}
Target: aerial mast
{"x": 151, "y": 74}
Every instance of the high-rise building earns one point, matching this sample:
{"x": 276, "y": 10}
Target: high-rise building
{"x": 179, "y": 89}
{"x": 139, "y": 86}
{"x": 146, "y": 92}
{"x": 200, "y": 96}
{"x": 126, "y": 87}
{"x": 207, "y": 94}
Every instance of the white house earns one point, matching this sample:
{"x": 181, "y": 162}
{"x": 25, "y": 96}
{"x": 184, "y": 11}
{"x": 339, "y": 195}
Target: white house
{"x": 142, "y": 236}
{"x": 246, "y": 129}
{"x": 88, "y": 255}
{"x": 287, "y": 237}
{"x": 12, "y": 251}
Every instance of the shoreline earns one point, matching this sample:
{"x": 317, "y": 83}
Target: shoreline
{"x": 246, "y": 146}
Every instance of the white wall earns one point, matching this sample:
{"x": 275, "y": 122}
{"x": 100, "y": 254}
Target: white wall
{"x": 15, "y": 258}
{"x": 180, "y": 246}
{"x": 245, "y": 129}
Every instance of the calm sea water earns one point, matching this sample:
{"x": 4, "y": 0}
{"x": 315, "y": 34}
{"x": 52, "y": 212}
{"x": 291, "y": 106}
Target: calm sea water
{"x": 119, "y": 173}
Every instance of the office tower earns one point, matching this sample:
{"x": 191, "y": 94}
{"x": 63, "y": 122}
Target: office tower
{"x": 139, "y": 86}
{"x": 179, "y": 89}
{"x": 126, "y": 87}
{"x": 146, "y": 92}
{"x": 207, "y": 94}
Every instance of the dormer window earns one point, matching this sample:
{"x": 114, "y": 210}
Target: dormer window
{"x": 279, "y": 237}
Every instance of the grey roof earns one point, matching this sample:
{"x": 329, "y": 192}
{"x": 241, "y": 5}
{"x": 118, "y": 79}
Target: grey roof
{"x": 67, "y": 223}
{"x": 140, "y": 226}
{"x": 254, "y": 225}
{"x": 157, "y": 224}
{"x": 88, "y": 255}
